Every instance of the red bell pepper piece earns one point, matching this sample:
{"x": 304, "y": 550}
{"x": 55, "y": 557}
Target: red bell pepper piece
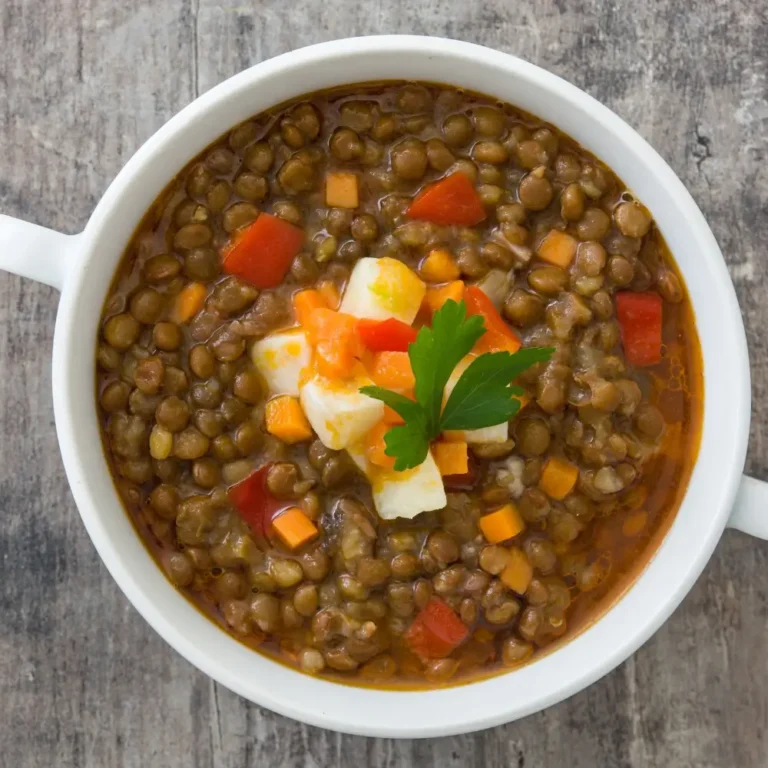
{"x": 452, "y": 200}
{"x": 261, "y": 254}
{"x": 639, "y": 316}
{"x": 436, "y": 631}
{"x": 498, "y": 335}
{"x": 253, "y": 502}
{"x": 386, "y": 335}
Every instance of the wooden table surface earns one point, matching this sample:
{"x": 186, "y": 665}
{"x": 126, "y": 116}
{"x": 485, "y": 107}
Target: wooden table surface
{"x": 83, "y": 679}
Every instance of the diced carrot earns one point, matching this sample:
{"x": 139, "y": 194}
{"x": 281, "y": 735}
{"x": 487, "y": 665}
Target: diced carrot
{"x": 392, "y": 370}
{"x": 392, "y": 417}
{"x": 436, "y": 297}
{"x": 439, "y": 267}
{"x": 375, "y": 446}
{"x": 463, "y": 482}
{"x": 294, "y": 527}
{"x": 451, "y": 458}
{"x": 557, "y": 248}
{"x": 518, "y": 573}
{"x": 306, "y": 301}
{"x": 453, "y": 435}
{"x": 341, "y": 190}
{"x": 286, "y": 420}
{"x": 261, "y": 253}
{"x": 189, "y": 302}
{"x": 640, "y": 315}
{"x": 558, "y": 478}
{"x": 452, "y": 200}
{"x": 435, "y": 631}
{"x": 503, "y": 524}
{"x": 336, "y": 341}
{"x": 330, "y": 293}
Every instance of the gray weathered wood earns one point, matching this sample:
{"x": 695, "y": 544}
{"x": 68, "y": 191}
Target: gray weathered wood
{"x": 83, "y": 680}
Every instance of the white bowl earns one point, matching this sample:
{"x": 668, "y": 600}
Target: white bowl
{"x": 82, "y": 267}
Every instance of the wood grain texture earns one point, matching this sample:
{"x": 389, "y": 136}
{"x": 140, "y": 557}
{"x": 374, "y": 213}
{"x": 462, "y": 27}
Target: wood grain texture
{"x": 83, "y": 680}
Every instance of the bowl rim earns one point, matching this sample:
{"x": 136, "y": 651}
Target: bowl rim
{"x": 671, "y": 572}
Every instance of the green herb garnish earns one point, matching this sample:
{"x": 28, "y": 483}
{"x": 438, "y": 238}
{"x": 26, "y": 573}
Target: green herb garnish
{"x": 483, "y": 396}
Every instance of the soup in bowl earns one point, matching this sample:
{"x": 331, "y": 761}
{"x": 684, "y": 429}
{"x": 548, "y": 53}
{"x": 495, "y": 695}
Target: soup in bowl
{"x": 274, "y": 278}
{"x": 277, "y": 363}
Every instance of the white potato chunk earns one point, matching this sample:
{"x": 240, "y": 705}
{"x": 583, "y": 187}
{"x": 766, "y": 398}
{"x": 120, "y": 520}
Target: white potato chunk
{"x": 403, "y": 494}
{"x": 499, "y": 433}
{"x": 337, "y": 411}
{"x": 280, "y": 358}
{"x": 382, "y": 288}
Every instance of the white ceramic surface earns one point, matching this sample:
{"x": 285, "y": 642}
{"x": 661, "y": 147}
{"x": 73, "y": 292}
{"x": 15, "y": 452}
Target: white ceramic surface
{"x": 81, "y": 267}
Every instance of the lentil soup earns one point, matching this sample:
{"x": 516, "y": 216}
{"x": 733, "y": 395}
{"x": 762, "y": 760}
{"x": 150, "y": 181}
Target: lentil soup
{"x": 302, "y": 257}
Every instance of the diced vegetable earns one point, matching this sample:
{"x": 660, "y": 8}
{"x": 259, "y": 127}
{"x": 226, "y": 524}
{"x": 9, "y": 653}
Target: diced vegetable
{"x": 336, "y": 341}
{"x": 189, "y": 302}
{"x": 375, "y": 446}
{"x": 493, "y": 341}
{"x": 503, "y": 524}
{"x": 639, "y": 315}
{"x": 304, "y": 302}
{"x": 436, "y": 297}
{"x": 557, "y": 248}
{"x": 286, "y": 420}
{"x": 382, "y": 288}
{"x": 498, "y": 433}
{"x": 341, "y": 190}
{"x": 439, "y": 266}
{"x": 386, "y": 335}
{"x": 463, "y": 482}
{"x": 253, "y": 502}
{"x": 495, "y": 285}
{"x": 452, "y": 200}
{"x": 330, "y": 293}
{"x": 338, "y": 412}
{"x": 261, "y": 254}
{"x": 402, "y": 494}
{"x": 280, "y": 358}
{"x": 558, "y": 478}
{"x": 436, "y": 631}
{"x": 498, "y": 336}
{"x": 518, "y": 573}
{"x": 452, "y": 458}
{"x": 392, "y": 370}
{"x": 294, "y": 528}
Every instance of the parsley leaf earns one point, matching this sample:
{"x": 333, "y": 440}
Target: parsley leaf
{"x": 408, "y": 444}
{"x": 437, "y": 351}
{"x": 483, "y": 396}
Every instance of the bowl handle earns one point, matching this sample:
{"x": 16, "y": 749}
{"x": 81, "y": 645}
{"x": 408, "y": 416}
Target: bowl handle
{"x": 750, "y": 511}
{"x": 32, "y": 251}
